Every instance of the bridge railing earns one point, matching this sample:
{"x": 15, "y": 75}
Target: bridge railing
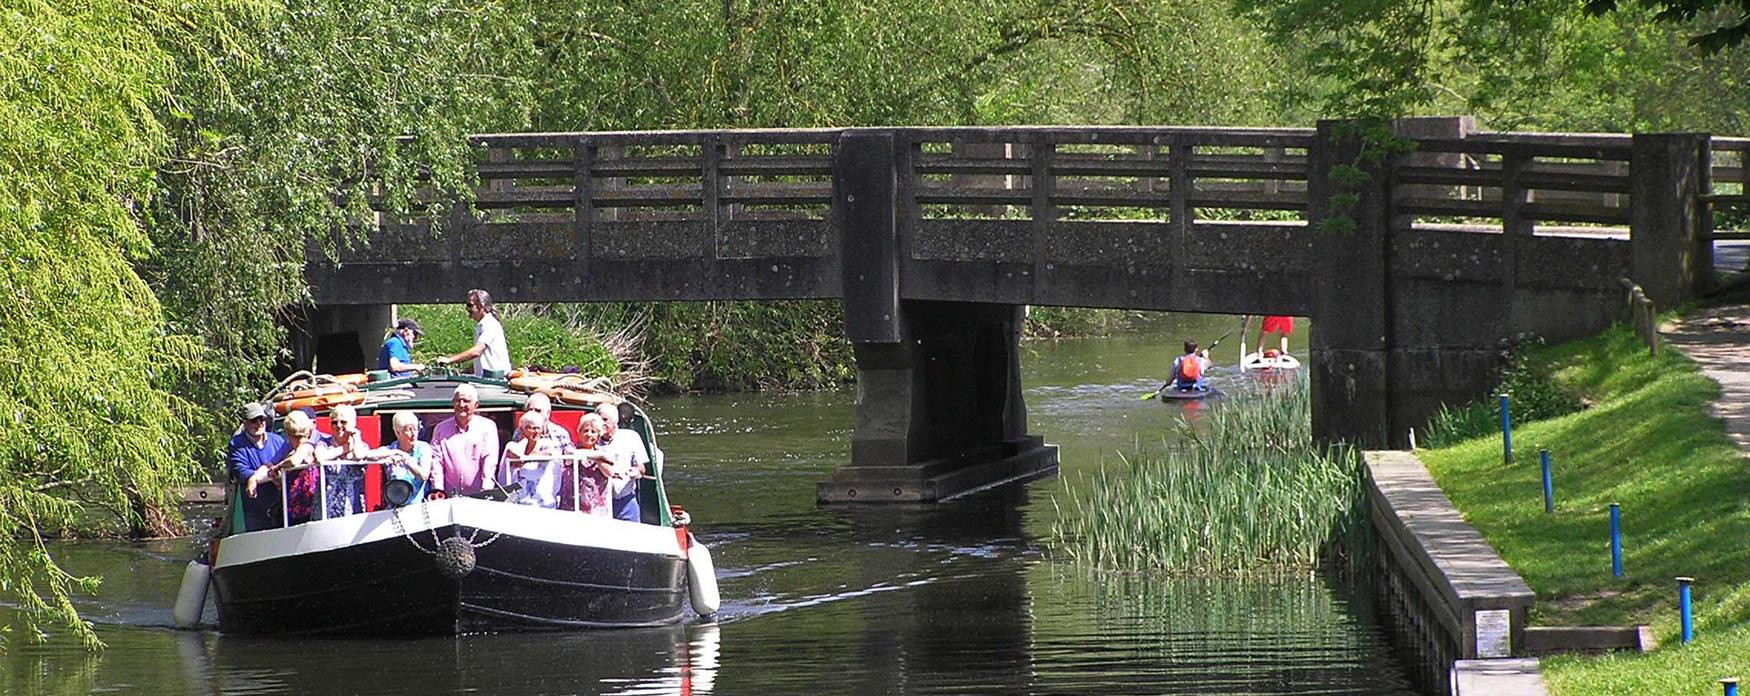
{"x": 1025, "y": 194}
{"x": 1179, "y": 196}
{"x": 1516, "y": 183}
{"x": 1729, "y": 197}
{"x": 663, "y": 194}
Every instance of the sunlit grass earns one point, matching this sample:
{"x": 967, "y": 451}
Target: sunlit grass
{"x": 1647, "y": 443}
{"x": 1247, "y": 493}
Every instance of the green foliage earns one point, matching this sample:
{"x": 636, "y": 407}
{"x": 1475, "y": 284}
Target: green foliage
{"x": 84, "y": 351}
{"x": 728, "y": 346}
{"x": 1249, "y": 494}
{"x": 798, "y": 63}
{"x": 532, "y": 338}
{"x": 280, "y": 136}
{"x": 1068, "y": 322}
{"x": 1538, "y": 65}
{"x": 1533, "y": 393}
{"x": 1721, "y": 35}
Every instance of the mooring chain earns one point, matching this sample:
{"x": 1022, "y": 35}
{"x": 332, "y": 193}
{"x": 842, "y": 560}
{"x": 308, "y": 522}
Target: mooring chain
{"x": 395, "y": 514}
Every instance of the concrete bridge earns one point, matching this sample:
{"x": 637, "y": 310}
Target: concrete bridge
{"x": 935, "y": 239}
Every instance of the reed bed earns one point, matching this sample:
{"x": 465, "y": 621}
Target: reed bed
{"x": 1247, "y": 493}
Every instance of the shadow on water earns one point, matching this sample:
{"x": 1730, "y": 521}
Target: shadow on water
{"x": 958, "y": 597}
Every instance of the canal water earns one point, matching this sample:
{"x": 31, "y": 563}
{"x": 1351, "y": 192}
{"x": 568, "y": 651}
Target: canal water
{"x": 951, "y": 598}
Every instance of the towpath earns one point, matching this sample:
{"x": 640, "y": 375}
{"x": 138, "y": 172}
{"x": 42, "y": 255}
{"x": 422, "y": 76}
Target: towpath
{"x": 1718, "y": 338}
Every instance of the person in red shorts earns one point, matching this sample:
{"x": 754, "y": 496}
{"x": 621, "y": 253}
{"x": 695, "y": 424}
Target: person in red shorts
{"x": 1275, "y": 325}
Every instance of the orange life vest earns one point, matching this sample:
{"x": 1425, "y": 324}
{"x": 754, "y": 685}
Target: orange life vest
{"x": 1190, "y": 369}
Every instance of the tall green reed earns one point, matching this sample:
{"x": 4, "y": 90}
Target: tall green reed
{"x": 1248, "y": 492}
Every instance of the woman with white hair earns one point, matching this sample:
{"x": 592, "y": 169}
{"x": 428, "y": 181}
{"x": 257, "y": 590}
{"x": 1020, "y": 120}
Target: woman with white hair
{"x": 409, "y": 462}
{"x": 530, "y": 461}
{"x": 299, "y": 451}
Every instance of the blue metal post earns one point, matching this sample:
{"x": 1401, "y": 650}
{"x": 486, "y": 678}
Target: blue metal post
{"x": 1549, "y": 492}
{"x": 1506, "y": 433}
{"x": 1684, "y": 607}
{"x": 1729, "y": 686}
{"x": 1616, "y": 540}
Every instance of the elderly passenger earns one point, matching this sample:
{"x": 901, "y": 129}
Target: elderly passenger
{"x": 593, "y": 469}
{"x": 626, "y": 447}
{"x": 555, "y": 433}
{"x": 345, "y": 483}
{"x": 409, "y": 459}
{"x": 466, "y": 446}
{"x": 299, "y": 450}
{"x": 251, "y": 449}
{"x": 532, "y": 461}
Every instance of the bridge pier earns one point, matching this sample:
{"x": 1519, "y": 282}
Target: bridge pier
{"x": 940, "y": 412}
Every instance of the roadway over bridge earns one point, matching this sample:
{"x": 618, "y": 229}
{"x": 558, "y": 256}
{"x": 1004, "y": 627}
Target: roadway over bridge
{"x": 935, "y": 239}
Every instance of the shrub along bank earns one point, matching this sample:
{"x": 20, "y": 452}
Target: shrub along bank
{"x": 1648, "y": 444}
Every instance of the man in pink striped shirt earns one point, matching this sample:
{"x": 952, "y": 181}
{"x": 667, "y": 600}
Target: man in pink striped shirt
{"x": 467, "y": 447}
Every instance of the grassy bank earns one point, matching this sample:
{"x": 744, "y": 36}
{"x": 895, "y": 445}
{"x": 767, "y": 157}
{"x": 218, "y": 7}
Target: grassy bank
{"x": 1647, "y": 443}
{"x": 1247, "y": 493}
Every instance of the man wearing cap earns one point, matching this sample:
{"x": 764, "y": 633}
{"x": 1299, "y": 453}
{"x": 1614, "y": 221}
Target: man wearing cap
{"x": 396, "y": 355}
{"x": 251, "y": 448}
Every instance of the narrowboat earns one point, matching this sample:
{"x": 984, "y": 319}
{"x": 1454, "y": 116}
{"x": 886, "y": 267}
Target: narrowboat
{"x": 457, "y": 565}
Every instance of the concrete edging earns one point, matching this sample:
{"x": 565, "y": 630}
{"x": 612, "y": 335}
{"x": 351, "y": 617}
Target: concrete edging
{"x": 1519, "y": 676}
{"x": 1449, "y": 596}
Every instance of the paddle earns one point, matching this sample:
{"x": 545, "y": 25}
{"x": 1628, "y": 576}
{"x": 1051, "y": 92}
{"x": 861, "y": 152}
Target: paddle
{"x": 1212, "y": 345}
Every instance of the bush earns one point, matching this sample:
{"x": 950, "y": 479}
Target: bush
{"x": 1533, "y": 395}
{"x": 533, "y": 338}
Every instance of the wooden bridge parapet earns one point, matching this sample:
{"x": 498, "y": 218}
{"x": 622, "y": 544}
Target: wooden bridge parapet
{"x": 1469, "y": 239}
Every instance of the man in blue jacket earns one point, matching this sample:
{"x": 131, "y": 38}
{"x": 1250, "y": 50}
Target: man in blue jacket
{"x": 396, "y": 355}
{"x": 251, "y": 448}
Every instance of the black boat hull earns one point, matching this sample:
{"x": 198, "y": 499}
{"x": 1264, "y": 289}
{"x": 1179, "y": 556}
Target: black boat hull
{"x": 356, "y": 577}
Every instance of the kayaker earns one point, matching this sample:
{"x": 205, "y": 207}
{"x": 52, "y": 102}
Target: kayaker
{"x": 490, "y": 355}
{"x": 396, "y": 355}
{"x": 1188, "y": 369}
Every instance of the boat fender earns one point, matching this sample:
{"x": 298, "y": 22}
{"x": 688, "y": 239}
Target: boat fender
{"x": 701, "y": 578}
{"x": 455, "y": 557}
{"x": 191, "y": 598}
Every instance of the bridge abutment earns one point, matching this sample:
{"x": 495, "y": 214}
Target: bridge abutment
{"x": 339, "y": 339}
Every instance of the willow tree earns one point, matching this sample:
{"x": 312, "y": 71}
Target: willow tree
{"x": 85, "y": 425}
{"x": 283, "y": 148}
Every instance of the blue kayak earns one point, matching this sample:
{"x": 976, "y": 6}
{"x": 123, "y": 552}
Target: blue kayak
{"x": 1172, "y": 393}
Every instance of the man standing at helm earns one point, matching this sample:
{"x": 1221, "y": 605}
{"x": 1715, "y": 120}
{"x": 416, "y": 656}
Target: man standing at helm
{"x": 491, "y": 357}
